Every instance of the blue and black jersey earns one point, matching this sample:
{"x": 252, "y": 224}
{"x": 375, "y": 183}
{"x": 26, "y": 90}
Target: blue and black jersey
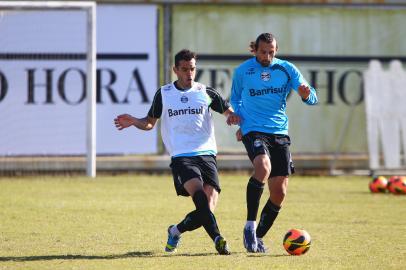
{"x": 258, "y": 94}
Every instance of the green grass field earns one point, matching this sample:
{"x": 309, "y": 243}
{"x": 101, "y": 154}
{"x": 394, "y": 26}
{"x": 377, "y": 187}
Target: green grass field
{"x": 120, "y": 222}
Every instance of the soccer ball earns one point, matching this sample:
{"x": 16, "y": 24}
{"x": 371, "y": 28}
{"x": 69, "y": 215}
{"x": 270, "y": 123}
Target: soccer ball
{"x": 393, "y": 180}
{"x": 297, "y": 242}
{"x": 378, "y": 184}
{"x": 399, "y": 186}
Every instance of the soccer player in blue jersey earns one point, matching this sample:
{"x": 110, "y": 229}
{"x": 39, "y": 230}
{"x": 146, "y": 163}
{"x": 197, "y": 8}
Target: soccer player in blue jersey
{"x": 258, "y": 95}
{"x": 187, "y": 130}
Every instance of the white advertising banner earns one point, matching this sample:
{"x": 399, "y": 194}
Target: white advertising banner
{"x": 331, "y": 46}
{"x": 43, "y": 80}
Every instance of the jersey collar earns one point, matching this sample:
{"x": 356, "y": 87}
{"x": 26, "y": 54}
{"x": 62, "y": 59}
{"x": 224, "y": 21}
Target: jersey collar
{"x": 175, "y": 85}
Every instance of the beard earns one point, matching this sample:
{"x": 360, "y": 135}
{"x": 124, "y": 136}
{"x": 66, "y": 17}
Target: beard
{"x": 265, "y": 63}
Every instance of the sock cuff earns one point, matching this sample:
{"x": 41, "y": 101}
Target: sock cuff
{"x": 174, "y": 230}
{"x": 254, "y": 182}
{"x": 273, "y": 207}
{"x": 251, "y": 224}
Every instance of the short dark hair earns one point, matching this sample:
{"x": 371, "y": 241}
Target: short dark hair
{"x": 184, "y": 54}
{"x": 265, "y": 37}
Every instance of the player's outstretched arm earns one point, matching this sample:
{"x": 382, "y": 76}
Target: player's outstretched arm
{"x": 304, "y": 91}
{"x": 307, "y": 94}
{"x": 232, "y": 118}
{"x": 125, "y": 120}
{"x": 238, "y": 135}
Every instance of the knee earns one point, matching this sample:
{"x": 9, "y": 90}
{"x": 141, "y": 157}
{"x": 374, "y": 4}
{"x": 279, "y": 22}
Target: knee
{"x": 278, "y": 190}
{"x": 281, "y": 193}
{"x": 277, "y": 198}
{"x": 282, "y": 190}
{"x": 212, "y": 203}
{"x": 278, "y": 195}
{"x": 262, "y": 167}
{"x": 212, "y": 196}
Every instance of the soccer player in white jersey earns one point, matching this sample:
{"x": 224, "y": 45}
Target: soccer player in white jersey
{"x": 187, "y": 130}
{"x": 258, "y": 95}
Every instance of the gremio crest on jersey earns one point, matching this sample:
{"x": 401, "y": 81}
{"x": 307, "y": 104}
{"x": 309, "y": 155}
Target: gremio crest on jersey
{"x": 265, "y": 76}
{"x": 184, "y": 99}
{"x": 257, "y": 143}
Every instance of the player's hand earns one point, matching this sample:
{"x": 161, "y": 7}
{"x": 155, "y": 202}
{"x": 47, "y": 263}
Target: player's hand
{"x": 123, "y": 121}
{"x": 233, "y": 119}
{"x": 238, "y": 135}
{"x": 304, "y": 91}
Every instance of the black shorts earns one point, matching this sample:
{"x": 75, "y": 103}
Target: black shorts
{"x": 273, "y": 145}
{"x": 186, "y": 168}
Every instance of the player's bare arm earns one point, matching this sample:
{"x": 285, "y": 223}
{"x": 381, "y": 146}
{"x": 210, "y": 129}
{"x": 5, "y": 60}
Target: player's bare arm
{"x": 125, "y": 120}
{"x": 304, "y": 91}
{"x": 232, "y": 118}
{"x": 238, "y": 135}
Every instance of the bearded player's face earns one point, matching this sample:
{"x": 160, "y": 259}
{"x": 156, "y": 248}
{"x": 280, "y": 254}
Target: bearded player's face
{"x": 266, "y": 52}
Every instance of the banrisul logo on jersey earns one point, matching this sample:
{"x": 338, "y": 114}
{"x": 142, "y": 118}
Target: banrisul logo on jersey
{"x": 271, "y": 90}
{"x": 265, "y": 76}
{"x": 185, "y": 111}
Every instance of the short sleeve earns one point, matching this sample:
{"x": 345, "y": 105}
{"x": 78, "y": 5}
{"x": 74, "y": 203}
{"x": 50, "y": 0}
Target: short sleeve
{"x": 156, "y": 107}
{"x": 218, "y": 103}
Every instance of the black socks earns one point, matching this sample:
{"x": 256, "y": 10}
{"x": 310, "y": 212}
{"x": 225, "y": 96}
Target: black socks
{"x": 254, "y": 193}
{"x": 204, "y": 215}
{"x": 190, "y": 223}
{"x": 268, "y": 216}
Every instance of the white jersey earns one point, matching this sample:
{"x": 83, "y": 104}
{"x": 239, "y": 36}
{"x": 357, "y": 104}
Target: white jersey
{"x": 187, "y": 125}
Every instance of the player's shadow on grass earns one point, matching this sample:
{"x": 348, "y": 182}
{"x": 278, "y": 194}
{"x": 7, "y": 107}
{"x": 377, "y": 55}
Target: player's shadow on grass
{"x": 167, "y": 255}
{"x": 259, "y": 255}
{"x": 77, "y": 257}
{"x": 216, "y": 254}
{"x": 135, "y": 254}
